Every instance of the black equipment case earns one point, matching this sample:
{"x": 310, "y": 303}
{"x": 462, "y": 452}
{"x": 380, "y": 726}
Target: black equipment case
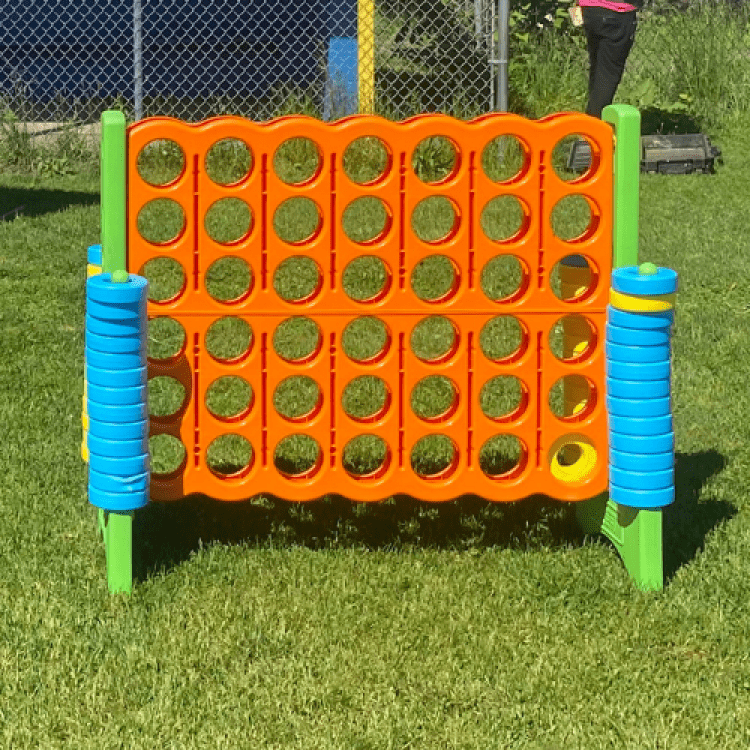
{"x": 678, "y": 154}
{"x": 666, "y": 154}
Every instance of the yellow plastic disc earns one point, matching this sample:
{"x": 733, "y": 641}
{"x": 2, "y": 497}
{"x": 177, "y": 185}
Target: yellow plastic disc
{"x": 581, "y": 467}
{"x": 633, "y": 303}
{"x": 580, "y": 348}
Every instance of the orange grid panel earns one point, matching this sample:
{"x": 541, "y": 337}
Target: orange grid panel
{"x": 537, "y": 187}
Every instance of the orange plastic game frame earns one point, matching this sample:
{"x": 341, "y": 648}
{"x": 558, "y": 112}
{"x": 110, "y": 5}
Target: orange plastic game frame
{"x": 537, "y": 187}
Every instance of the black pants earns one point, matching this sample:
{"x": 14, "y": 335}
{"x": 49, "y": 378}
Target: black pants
{"x": 609, "y": 36}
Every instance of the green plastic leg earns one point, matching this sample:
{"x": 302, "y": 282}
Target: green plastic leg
{"x": 637, "y": 535}
{"x": 118, "y": 542}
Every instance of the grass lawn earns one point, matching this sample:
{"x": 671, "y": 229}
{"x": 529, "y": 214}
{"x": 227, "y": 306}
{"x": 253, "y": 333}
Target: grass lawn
{"x": 398, "y": 625}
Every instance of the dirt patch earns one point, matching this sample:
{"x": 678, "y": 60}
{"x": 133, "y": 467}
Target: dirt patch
{"x": 45, "y": 133}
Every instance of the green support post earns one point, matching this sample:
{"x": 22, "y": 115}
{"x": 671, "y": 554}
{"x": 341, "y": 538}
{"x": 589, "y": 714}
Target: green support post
{"x": 118, "y": 544}
{"x": 116, "y": 528}
{"x": 636, "y": 534}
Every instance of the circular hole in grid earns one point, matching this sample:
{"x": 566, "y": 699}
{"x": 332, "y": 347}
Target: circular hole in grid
{"x": 434, "y": 278}
{"x": 434, "y": 339}
{"x": 572, "y": 278}
{"x": 502, "y": 456}
{"x": 502, "y": 218}
{"x": 297, "y": 456}
{"x": 434, "y": 219}
{"x": 366, "y": 398}
{"x": 572, "y": 338}
{"x": 569, "y": 157}
{"x": 434, "y": 457}
{"x": 366, "y": 220}
{"x": 297, "y": 279}
{"x": 434, "y": 398}
{"x": 296, "y": 220}
{"x": 228, "y": 220}
{"x": 365, "y": 339}
{"x": 298, "y": 398}
{"x": 573, "y": 459}
{"x": 228, "y": 161}
{"x": 502, "y": 398}
{"x": 503, "y": 277}
{"x": 502, "y": 338}
{"x": 504, "y": 158}
{"x": 161, "y": 221}
{"x": 229, "y": 279}
{"x": 229, "y": 455}
{"x": 229, "y": 398}
{"x": 166, "y": 279}
{"x": 435, "y": 159}
{"x": 166, "y": 338}
{"x": 166, "y": 396}
{"x": 229, "y": 339}
{"x": 297, "y": 161}
{"x": 168, "y": 455}
{"x": 366, "y": 278}
{"x": 160, "y": 162}
{"x": 297, "y": 339}
{"x": 571, "y": 398}
{"x": 366, "y": 160}
{"x": 365, "y": 457}
{"x": 571, "y": 218}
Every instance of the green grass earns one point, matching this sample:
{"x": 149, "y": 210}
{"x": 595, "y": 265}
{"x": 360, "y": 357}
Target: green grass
{"x": 333, "y": 625}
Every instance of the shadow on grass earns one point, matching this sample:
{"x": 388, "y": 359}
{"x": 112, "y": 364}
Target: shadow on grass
{"x": 167, "y": 534}
{"x": 687, "y": 522}
{"x": 38, "y": 201}
{"x": 655, "y": 121}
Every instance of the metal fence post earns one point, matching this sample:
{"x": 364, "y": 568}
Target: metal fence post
{"x": 138, "y": 59}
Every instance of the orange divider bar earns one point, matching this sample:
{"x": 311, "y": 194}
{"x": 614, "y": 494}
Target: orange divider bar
{"x": 469, "y": 189}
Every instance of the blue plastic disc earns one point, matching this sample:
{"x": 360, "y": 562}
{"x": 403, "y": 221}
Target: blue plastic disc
{"x": 638, "y": 371}
{"x": 632, "y": 426}
{"x": 639, "y": 408}
{"x": 637, "y": 336}
{"x": 641, "y": 480}
{"x": 641, "y": 461}
{"x": 641, "y": 321}
{"x": 113, "y": 360}
{"x": 117, "y": 501}
{"x": 649, "y": 444}
{"x": 117, "y": 448}
{"x": 101, "y": 288}
{"x": 94, "y": 255}
{"x": 130, "y": 311}
{"x": 628, "y": 280}
{"x": 117, "y": 396}
{"x": 121, "y": 484}
{"x": 644, "y": 499}
{"x": 116, "y": 378}
{"x": 120, "y": 466}
{"x": 126, "y": 431}
{"x": 132, "y": 328}
{"x": 117, "y": 344}
{"x": 638, "y": 389}
{"x": 116, "y": 414}
{"x": 620, "y": 353}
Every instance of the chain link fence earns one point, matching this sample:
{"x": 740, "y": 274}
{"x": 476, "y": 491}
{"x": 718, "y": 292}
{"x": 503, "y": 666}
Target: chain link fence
{"x": 63, "y": 60}
{"x": 66, "y": 60}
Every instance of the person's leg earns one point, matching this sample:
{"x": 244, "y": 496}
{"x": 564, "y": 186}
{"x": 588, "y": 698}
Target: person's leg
{"x": 616, "y": 32}
{"x": 590, "y": 26}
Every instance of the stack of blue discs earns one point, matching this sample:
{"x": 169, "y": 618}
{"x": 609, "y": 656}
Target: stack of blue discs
{"x": 116, "y": 387}
{"x": 639, "y": 405}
